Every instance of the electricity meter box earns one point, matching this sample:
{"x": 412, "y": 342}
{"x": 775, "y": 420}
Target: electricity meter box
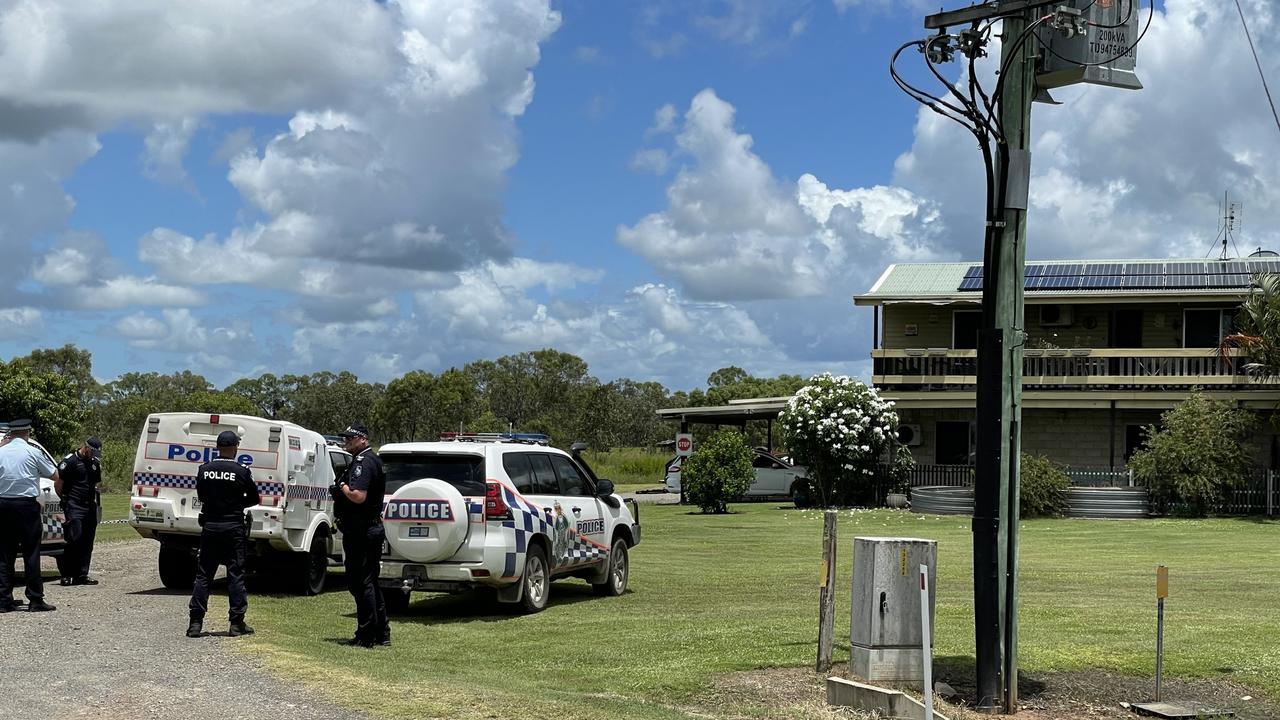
{"x": 884, "y": 628}
{"x": 1105, "y": 53}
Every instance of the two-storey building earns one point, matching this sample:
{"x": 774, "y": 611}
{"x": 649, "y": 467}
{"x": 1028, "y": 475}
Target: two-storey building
{"x": 1109, "y": 346}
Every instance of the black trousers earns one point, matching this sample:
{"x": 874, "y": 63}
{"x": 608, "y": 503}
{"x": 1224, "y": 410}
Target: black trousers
{"x": 221, "y": 543}
{"x": 362, "y": 558}
{"x": 80, "y": 530}
{"x": 20, "y": 528}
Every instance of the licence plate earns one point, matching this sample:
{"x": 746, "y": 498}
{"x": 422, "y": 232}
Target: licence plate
{"x": 420, "y": 531}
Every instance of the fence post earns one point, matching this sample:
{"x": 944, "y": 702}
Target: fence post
{"x": 1130, "y": 477}
{"x": 1271, "y": 491}
{"x": 827, "y": 592}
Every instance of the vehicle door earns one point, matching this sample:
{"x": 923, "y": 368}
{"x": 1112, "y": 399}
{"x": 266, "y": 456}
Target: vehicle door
{"x": 771, "y": 478}
{"x": 578, "y": 502}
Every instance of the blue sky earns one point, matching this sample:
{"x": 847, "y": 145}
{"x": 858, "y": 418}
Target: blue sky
{"x": 661, "y": 188}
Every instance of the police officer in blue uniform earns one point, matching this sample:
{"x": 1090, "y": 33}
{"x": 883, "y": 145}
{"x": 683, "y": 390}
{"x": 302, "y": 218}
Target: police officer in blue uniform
{"x": 357, "y": 505}
{"x": 225, "y": 489}
{"x": 81, "y": 473}
{"x": 21, "y": 467}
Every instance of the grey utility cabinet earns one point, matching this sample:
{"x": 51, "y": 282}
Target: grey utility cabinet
{"x": 884, "y": 627}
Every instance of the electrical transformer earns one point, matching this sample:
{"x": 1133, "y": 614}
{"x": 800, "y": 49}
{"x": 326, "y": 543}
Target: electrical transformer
{"x": 1098, "y": 48}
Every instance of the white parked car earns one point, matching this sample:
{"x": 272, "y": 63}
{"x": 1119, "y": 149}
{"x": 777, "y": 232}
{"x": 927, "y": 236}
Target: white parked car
{"x": 501, "y": 511}
{"x": 775, "y": 477}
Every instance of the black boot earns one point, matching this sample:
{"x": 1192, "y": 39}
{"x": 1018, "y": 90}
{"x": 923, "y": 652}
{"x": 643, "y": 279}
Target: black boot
{"x": 238, "y": 628}
{"x": 195, "y": 629}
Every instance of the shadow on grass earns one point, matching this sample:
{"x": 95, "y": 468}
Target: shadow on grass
{"x": 482, "y": 605}
{"x": 1258, "y": 520}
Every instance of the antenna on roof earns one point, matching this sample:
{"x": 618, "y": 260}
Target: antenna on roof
{"x": 1226, "y": 230}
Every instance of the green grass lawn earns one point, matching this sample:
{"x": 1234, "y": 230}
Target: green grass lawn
{"x": 115, "y": 506}
{"x": 630, "y": 469}
{"x": 715, "y": 594}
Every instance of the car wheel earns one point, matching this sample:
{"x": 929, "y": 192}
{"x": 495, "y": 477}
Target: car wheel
{"x": 800, "y": 494}
{"x": 313, "y": 566}
{"x": 619, "y": 571}
{"x": 177, "y": 567}
{"x": 537, "y": 581}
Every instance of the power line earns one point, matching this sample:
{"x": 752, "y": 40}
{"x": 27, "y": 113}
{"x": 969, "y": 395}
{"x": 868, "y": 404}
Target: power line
{"x": 1259, "y": 64}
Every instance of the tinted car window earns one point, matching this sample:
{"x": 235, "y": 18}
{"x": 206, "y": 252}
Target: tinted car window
{"x": 544, "y": 478}
{"x": 464, "y": 472}
{"x": 340, "y": 461}
{"x": 519, "y": 470}
{"x": 571, "y": 482}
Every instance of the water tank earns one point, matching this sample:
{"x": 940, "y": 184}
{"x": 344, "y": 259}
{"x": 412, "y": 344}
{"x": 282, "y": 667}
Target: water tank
{"x": 884, "y": 628}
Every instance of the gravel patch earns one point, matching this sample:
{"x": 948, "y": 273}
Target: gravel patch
{"x": 118, "y": 650}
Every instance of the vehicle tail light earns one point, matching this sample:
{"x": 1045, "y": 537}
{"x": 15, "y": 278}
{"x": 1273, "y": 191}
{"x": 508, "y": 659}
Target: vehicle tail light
{"x": 494, "y": 507}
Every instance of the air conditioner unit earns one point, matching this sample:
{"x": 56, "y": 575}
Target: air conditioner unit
{"x": 1055, "y": 315}
{"x": 910, "y": 435}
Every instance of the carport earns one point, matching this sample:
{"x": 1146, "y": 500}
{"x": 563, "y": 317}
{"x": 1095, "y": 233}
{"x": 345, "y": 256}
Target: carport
{"x": 735, "y": 414}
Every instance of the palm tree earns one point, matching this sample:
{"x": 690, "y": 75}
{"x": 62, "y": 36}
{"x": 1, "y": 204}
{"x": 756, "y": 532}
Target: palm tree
{"x": 1258, "y": 328}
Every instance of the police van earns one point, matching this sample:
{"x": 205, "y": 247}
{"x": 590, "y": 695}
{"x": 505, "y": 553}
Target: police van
{"x": 293, "y": 529}
{"x": 505, "y": 511}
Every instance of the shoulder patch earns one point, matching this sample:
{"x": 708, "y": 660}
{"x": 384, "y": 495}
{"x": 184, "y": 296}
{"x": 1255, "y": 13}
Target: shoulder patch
{"x": 359, "y": 470}
{"x": 62, "y": 465}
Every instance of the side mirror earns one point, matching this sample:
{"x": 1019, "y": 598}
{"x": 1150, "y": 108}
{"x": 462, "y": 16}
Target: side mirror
{"x": 604, "y": 488}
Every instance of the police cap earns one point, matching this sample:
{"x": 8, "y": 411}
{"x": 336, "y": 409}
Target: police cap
{"x": 228, "y": 438}
{"x": 355, "y": 430}
{"x": 95, "y": 445}
{"x": 20, "y": 425}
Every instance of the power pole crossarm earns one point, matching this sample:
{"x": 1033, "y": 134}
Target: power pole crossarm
{"x": 986, "y": 11}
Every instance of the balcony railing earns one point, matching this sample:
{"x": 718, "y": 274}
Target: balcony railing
{"x": 1079, "y": 367}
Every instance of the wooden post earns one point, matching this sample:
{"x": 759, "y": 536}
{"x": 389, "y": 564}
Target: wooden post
{"x": 827, "y": 592}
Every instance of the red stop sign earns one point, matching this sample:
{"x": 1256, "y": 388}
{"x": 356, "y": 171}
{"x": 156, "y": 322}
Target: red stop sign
{"x": 684, "y": 444}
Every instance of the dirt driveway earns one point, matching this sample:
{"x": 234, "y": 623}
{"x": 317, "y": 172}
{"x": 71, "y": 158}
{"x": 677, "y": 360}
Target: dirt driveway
{"x": 118, "y": 650}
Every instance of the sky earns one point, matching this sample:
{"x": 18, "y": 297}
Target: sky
{"x": 662, "y": 188}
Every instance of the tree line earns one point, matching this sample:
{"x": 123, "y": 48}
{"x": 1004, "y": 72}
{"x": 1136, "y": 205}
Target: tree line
{"x": 546, "y": 391}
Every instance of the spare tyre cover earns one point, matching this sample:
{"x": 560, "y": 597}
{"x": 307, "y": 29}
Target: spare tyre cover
{"x": 426, "y": 520}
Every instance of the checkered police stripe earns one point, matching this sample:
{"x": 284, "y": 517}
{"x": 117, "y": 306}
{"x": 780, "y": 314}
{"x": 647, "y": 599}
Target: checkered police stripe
{"x": 270, "y": 488}
{"x": 188, "y": 482}
{"x": 527, "y": 519}
{"x": 182, "y": 482}
{"x": 308, "y": 492}
{"x": 50, "y": 528}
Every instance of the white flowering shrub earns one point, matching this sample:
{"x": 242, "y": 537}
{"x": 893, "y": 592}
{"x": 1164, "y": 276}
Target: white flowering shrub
{"x": 841, "y": 430}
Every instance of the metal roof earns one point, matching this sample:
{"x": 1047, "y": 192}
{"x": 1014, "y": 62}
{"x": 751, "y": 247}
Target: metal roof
{"x": 938, "y": 284}
{"x": 737, "y": 412}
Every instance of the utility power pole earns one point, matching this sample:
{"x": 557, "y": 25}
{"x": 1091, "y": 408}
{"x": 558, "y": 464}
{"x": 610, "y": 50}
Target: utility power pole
{"x": 1025, "y": 72}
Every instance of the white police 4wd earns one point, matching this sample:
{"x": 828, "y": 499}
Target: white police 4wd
{"x": 503, "y": 511}
{"x": 293, "y": 468}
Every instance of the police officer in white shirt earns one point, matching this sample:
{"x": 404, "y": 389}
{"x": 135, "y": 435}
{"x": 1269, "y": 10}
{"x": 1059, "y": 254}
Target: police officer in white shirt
{"x": 21, "y": 467}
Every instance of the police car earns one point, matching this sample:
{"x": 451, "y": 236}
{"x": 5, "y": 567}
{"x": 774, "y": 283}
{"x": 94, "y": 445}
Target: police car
{"x": 293, "y": 528}
{"x": 505, "y": 511}
{"x": 52, "y": 540}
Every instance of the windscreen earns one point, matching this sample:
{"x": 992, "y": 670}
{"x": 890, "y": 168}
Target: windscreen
{"x": 464, "y": 472}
